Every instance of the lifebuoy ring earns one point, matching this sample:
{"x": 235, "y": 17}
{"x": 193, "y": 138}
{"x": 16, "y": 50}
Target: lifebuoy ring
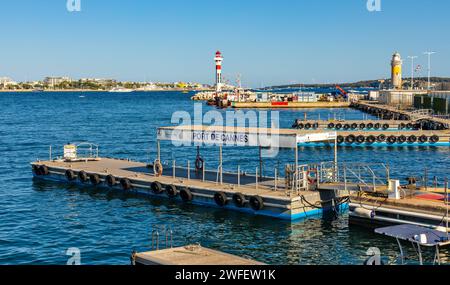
{"x": 70, "y": 175}
{"x": 312, "y": 180}
{"x": 171, "y": 191}
{"x": 126, "y": 184}
{"x": 377, "y": 126}
{"x": 401, "y": 126}
{"x": 186, "y": 195}
{"x": 257, "y": 203}
{"x": 362, "y": 126}
{"x": 370, "y": 125}
{"x": 239, "y": 200}
{"x": 43, "y": 170}
{"x": 340, "y": 139}
{"x": 221, "y": 199}
{"x": 354, "y": 126}
{"x": 300, "y": 126}
{"x": 82, "y": 176}
{"x": 308, "y": 126}
{"x": 315, "y": 125}
{"x": 156, "y": 187}
{"x": 402, "y": 139}
{"x": 385, "y": 126}
{"x": 157, "y": 168}
{"x": 346, "y": 126}
{"x": 199, "y": 162}
{"x": 338, "y": 126}
{"x": 110, "y": 180}
{"x": 95, "y": 179}
{"x": 331, "y": 125}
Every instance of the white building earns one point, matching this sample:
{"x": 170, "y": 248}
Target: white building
{"x": 52, "y": 80}
{"x": 6, "y": 81}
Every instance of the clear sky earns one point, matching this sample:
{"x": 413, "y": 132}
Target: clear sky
{"x": 267, "y": 41}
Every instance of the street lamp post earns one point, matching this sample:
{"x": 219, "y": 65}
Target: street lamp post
{"x": 429, "y": 53}
{"x": 412, "y": 70}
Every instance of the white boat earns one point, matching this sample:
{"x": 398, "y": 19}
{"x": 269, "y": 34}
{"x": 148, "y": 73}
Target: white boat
{"x": 120, "y": 90}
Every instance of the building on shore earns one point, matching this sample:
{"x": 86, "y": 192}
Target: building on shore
{"x": 52, "y": 81}
{"x": 6, "y": 81}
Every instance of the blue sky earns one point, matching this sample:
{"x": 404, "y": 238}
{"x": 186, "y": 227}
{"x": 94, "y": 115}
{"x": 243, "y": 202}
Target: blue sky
{"x": 267, "y": 41}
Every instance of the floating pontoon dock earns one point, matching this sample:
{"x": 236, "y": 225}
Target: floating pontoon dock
{"x": 189, "y": 255}
{"x": 407, "y": 205}
{"x": 299, "y": 193}
{"x": 380, "y": 132}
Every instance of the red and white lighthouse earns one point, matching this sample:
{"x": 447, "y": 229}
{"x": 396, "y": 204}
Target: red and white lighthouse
{"x": 218, "y": 59}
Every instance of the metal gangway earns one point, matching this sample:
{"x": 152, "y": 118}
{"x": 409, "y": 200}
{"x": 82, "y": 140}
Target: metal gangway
{"x": 369, "y": 177}
{"x": 421, "y": 114}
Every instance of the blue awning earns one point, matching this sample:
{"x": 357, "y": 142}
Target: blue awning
{"x": 410, "y": 232}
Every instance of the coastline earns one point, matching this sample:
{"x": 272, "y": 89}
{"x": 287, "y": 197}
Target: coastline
{"x": 89, "y": 90}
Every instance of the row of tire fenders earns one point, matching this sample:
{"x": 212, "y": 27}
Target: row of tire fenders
{"x": 389, "y": 139}
{"x": 354, "y": 126}
{"x": 172, "y": 191}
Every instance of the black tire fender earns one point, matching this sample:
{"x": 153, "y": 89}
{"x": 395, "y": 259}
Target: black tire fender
{"x": 221, "y": 199}
{"x": 186, "y": 195}
{"x": 171, "y": 191}
{"x": 156, "y": 187}
{"x": 257, "y": 203}
{"x": 70, "y": 175}
{"x": 95, "y": 179}
{"x": 239, "y": 200}
{"x": 110, "y": 180}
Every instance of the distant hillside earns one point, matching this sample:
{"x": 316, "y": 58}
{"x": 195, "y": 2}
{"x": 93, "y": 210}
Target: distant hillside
{"x": 441, "y": 83}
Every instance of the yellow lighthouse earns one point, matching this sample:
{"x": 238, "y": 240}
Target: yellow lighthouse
{"x": 396, "y": 75}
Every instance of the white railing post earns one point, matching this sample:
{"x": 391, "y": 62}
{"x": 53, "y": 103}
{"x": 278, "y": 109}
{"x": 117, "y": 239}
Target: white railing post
{"x": 276, "y": 179}
{"x": 239, "y": 176}
{"x": 256, "y": 177}
{"x": 188, "y": 170}
{"x": 174, "y": 170}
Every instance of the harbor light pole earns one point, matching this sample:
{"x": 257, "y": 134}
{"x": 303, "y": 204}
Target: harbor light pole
{"x": 429, "y": 53}
{"x": 412, "y": 70}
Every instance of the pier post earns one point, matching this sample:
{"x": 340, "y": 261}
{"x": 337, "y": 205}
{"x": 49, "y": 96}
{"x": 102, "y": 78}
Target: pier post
{"x": 260, "y": 162}
{"x": 203, "y": 172}
{"x": 174, "y": 169}
{"x": 220, "y": 165}
{"x": 188, "y": 170}
{"x": 158, "y": 150}
{"x": 296, "y": 168}
{"x": 239, "y": 175}
{"x": 276, "y": 179}
{"x": 256, "y": 177}
{"x": 335, "y": 160}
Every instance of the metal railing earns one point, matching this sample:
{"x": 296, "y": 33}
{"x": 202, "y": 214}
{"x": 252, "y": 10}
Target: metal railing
{"x": 167, "y": 234}
{"x": 369, "y": 175}
{"x": 84, "y": 150}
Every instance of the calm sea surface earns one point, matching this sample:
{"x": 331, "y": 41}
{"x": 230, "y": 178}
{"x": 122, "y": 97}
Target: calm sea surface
{"x": 40, "y": 221}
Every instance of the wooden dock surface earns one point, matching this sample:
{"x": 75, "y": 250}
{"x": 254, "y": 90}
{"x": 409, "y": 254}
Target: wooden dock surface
{"x": 191, "y": 255}
{"x": 138, "y": 171}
